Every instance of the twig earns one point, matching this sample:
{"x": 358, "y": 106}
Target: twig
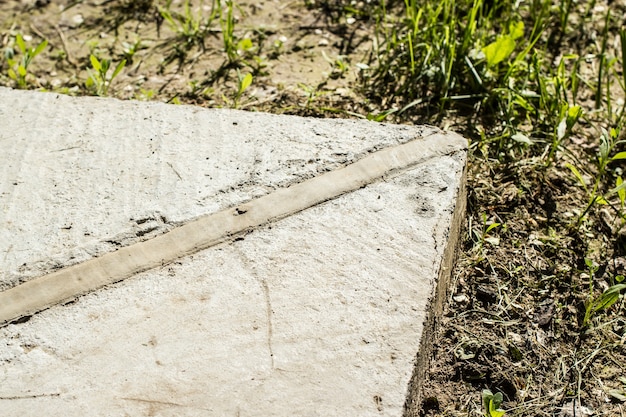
{"x": 39, "y": 33}
{"x": 68, "y": 56}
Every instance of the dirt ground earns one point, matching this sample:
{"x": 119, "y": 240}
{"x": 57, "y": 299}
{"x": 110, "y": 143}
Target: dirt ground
{"x": 514, "y": 319}
{"x": 292, "y": 52}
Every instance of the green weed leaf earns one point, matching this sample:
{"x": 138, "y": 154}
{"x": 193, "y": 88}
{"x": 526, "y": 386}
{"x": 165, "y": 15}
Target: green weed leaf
{"x": 613, "y": 133}
{"x": 494, "y": 405}
{"x": 495, "y": 412}
{"x": 245, "y": 82}
{"x": 491, "y": 403}
{"x": 491, "y": 227}
{"x": 499, "y": 50}
{"x": 118, "y": 68}
{"x": 20, "y": 43}
{"x": 573, "y": 114}
{"x": 95, "y": 63}
{"x": 516, "y": 30}
{"x": 497, "y": 399}
{"x": 380, "y": 116}
{"x": 608, "y": 297}
{"x": 602, "y": 201}
{"x": 619, "y": 155}
{"x": 104, "y": 67}
{"x": 245, "y": 44}
{"x": 504, "y": 45}
{"x": 577, "y": 175}
{"x": 604, "y": 148}
{"x": 487, "y": 395}
{"x": 40, "y": 48}
{"x": 618, "y": 189}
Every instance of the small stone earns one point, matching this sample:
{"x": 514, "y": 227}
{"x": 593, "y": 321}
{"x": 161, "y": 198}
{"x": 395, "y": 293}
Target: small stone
{"x": 573, "y": 409}
{"x": 78, "y": 19}
{"x": 461, "y": 298}
{"x": 516, "y": 338}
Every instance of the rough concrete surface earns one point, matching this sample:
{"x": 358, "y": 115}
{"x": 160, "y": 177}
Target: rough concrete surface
{"x": 320, "y": 313}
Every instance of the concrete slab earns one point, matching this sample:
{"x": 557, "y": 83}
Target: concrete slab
{"x": 252, "y": 264}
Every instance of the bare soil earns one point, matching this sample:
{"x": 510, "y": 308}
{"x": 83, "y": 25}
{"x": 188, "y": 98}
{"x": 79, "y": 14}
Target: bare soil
{"x": 514, "y": 319}
{"x": 292, "y": 53}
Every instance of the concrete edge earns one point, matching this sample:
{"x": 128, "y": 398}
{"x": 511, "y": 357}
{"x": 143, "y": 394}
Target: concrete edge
{"x": 20, "y": 302}
{"x": 414, "y": 399}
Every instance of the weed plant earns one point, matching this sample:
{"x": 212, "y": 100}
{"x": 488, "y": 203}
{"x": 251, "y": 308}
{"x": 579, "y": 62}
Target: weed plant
{"x": 18, "y": 68}
{"x": 99, "y": 79}
{"x": 189, "y": 26}
{"x": 489, "y": 60}
{"x": 494, "y": 64}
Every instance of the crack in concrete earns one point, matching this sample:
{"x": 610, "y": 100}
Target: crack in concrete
{"x": 28, "y": 397}
{"x": 269, "y": 312}
{"x": 268, "y": 302}
{"x": 166, "y": 403}
{"x": 6, "y": 253}
{"x": 175, "y": 172}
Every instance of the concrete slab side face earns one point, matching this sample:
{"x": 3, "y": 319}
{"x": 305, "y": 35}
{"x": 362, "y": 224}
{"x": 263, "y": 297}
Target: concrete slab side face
{"x": 320, "y": 313}
{"x": 95, "y": 174}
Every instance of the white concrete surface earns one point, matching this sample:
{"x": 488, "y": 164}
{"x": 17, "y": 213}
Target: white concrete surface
{"x": 320, "y": 313}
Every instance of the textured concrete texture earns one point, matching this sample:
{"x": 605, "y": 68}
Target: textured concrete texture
{"x": 165, "y": 260}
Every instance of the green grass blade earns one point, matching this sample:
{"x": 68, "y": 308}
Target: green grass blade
{"x": 605, "y": 37}
{"x": 618, "y": 189}
{"x": 577, "y": 175}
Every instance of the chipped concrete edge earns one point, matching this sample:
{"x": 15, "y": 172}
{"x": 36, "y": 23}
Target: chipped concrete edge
{"x": 20, "y": 302}
{"x": 414, "y": 400}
